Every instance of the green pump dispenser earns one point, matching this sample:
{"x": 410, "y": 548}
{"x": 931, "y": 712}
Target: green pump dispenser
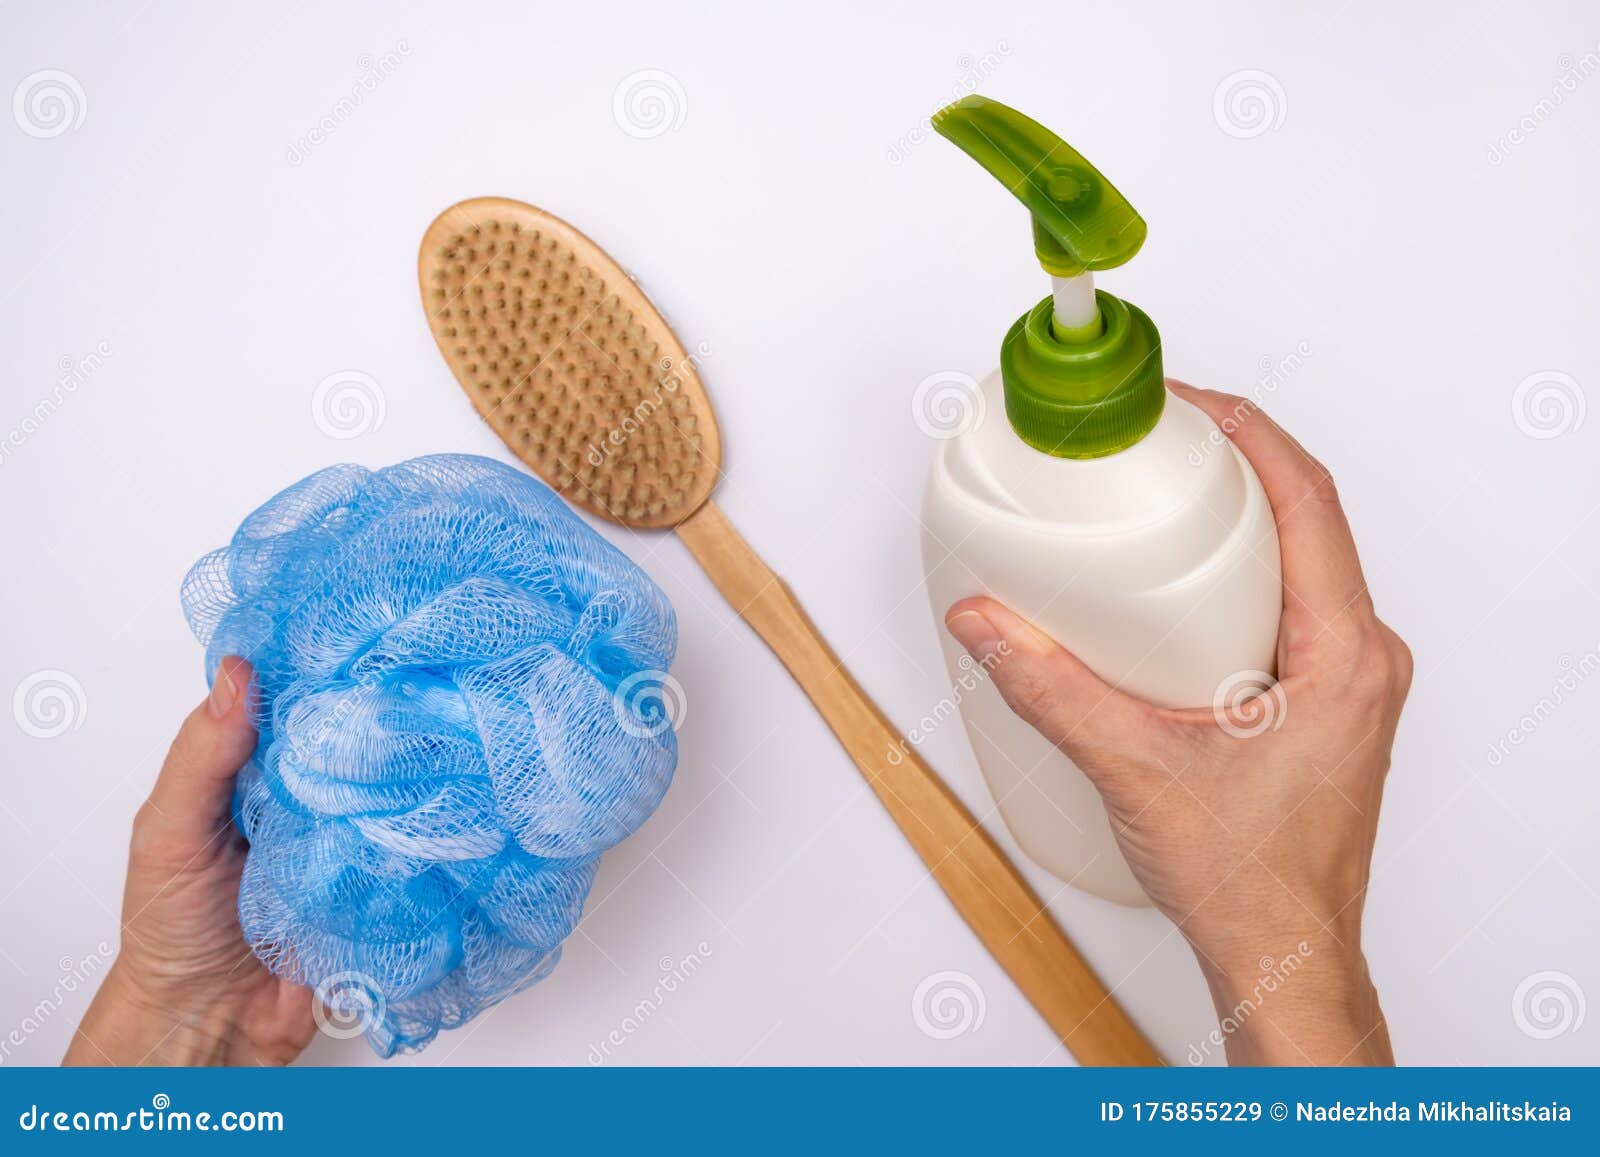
{"x": 1082, "y": 369}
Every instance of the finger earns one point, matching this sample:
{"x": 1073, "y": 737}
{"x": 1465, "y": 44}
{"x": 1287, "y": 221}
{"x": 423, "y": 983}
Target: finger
{"x": 1048, "y": 686}
{"x": 1322, "y": 576}
{"x": 282, "y": 1026}
{"x": 191, "y": 799}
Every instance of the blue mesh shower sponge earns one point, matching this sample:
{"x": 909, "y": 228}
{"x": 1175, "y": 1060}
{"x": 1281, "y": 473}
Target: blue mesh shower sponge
{"x": 463, "y": 701}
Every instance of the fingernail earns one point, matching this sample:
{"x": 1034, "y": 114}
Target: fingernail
{"x": 223, "y": 693}
{"x": 975, "y": 633}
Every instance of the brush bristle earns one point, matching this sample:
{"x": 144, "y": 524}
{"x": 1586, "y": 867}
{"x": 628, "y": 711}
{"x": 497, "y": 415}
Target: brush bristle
{"x": 568, "y": 362}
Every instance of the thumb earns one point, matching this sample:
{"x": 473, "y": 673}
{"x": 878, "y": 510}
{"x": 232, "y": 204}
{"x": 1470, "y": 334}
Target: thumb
{"x": 191, "y": 800}
{"x": 1048, "y": 686}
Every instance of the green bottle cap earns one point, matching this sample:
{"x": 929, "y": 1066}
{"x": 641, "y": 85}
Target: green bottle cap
{"x": 1074, "y": 391}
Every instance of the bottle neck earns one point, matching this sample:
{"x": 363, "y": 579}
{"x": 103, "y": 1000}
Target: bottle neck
{"x": 1089, "y": 397}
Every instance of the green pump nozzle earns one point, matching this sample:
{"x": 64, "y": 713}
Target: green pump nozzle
{"x": 1080, "y": 221}
{"x": 1082, "y": 370}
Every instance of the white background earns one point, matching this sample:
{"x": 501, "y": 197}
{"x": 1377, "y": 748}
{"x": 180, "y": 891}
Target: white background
{"x": 801, "y": 221}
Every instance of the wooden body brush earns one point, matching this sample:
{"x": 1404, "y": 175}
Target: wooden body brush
{"x": 583, "y": 379}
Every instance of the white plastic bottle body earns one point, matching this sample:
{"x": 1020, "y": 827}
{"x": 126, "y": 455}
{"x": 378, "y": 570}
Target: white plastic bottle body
{"x": 1157, "y": 566}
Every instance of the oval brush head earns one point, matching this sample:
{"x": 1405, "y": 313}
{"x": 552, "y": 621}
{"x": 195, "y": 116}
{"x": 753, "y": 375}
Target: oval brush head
{"x": 568, "y": 361}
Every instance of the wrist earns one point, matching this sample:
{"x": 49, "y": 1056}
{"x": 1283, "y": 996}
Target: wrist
{"x": 1315, "y": 1004}
{"x": 127, "y": 1024}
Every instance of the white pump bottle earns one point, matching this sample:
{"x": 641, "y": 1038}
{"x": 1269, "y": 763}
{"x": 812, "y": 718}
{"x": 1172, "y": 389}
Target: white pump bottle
{"x": 1111, "y": 514}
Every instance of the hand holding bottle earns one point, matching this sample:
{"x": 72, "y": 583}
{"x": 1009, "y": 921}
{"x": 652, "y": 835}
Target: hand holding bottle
{"x": 1252, "y": 829}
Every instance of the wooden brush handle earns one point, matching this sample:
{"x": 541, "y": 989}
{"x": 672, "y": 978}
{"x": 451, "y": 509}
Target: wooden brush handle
{"x": 985, "y": 887}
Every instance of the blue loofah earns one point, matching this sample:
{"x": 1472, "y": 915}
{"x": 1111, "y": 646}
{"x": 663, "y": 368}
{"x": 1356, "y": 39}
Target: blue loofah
{"x": 462, "y": 702}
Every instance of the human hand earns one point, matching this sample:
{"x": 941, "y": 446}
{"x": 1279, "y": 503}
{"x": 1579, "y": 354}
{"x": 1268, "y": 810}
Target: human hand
{"x": 185, "y": 988}
{"x": 1256, "y": 842}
